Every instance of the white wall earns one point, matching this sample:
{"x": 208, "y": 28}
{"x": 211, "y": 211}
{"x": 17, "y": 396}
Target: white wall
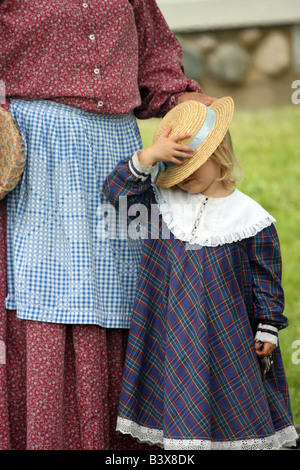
{"x": 199, "y": 15}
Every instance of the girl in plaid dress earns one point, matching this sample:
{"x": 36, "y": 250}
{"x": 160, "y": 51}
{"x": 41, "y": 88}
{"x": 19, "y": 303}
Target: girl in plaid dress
{"x": 203, "y": 368}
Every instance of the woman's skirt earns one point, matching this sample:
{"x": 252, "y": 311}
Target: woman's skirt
{"x": 71, "y": 281}
{"x": 60, "y": 385}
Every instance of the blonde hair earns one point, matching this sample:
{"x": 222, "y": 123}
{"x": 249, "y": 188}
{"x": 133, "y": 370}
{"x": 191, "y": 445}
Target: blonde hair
{"x": 225, "y": 157}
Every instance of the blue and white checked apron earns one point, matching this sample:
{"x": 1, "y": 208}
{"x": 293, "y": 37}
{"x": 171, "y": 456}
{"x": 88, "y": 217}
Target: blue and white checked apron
{"x": 62, "y": 265}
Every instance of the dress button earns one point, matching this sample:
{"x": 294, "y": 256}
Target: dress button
{"x": 100, "y": 103}
{"x": 92, "y": 37}
{"x": 85, "y": 5}
{"x": 96, "y": 71}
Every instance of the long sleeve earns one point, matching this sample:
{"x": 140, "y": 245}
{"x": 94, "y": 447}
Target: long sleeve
{"x": 265, "y": 258}
{"x": 160, "y": 74}
{"x": 128, "y": 189}
{"x": 129, "y": 180}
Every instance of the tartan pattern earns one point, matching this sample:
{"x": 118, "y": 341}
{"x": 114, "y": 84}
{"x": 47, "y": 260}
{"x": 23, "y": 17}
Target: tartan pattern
{"x": 191, "y": 371}
{"x": 191, "y": 368}
{"x": 63, "y": 264}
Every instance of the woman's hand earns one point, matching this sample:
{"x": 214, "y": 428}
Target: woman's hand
{"x": 192, "y": 95}
{"x": 166, "y": 149}
{"x": 263, "y": 349}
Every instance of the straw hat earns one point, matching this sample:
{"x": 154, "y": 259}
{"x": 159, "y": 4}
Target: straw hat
{"x": 12, "y": 154}
{"x": 207, "y": 126}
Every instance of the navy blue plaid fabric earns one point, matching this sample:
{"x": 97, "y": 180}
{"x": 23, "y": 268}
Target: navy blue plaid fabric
{"x": 191, "y": 371}
{"x": 63, "y": 264}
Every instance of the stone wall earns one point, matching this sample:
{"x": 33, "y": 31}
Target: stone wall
{"x": 256, "y": 66}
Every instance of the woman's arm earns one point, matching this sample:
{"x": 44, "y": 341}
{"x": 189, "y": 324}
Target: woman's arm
{"x": 161, "y": 77}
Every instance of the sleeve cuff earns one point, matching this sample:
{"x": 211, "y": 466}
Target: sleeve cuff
{"x": 266, "y": 333}
{"x": 140, "y": 171}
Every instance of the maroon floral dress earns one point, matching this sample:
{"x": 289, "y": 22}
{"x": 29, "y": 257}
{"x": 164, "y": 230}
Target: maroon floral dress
{"x": 59, "y": 384}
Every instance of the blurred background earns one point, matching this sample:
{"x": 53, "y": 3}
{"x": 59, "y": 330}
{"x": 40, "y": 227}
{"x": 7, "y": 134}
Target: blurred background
{"x": 251, "y": 51}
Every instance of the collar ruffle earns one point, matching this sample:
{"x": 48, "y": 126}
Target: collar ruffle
{"x": 207, "y": 221}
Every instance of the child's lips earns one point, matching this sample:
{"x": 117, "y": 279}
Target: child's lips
{"x": 187, "y": 181}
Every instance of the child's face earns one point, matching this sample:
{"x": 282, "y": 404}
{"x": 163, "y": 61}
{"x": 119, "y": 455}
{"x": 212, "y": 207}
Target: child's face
{"x": 204, "y": 180}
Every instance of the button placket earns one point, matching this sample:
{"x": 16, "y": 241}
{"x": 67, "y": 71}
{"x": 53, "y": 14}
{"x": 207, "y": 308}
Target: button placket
{"x": 96, "y": 71}
{"x": 199, "y": 216}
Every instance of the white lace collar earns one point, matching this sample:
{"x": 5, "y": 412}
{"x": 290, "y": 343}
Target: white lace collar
{"x": 208, "y": 221}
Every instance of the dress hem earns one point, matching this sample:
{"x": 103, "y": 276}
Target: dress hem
{"x": 89, "y": 317}
{"x": 284, "y": 437}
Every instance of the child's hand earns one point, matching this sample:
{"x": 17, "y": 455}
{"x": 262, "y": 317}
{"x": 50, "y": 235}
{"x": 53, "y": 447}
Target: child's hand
{"x": 166, "y": 149}
{"x": 264, "y": 349}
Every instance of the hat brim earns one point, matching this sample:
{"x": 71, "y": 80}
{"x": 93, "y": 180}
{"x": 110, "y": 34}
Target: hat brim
{"x": 12, "y": 153}
{"x": 223, "y": 109}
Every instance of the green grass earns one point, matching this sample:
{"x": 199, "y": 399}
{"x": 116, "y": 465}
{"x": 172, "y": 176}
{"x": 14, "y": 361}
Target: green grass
{"x": 267, "y": 143}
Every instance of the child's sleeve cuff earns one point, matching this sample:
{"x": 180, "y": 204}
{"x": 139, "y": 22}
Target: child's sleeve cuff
{"x": 137, "y": 169}
{"x": 266, "y": 333}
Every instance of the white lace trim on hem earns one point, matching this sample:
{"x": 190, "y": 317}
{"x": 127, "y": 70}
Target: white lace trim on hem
{"x": 284, "y": 437}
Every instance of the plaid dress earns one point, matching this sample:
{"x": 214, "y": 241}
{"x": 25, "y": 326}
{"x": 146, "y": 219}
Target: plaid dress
{"x": 191, "y": 377}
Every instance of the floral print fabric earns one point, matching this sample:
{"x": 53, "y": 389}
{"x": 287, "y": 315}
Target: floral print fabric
{"x": 104, "y": 56}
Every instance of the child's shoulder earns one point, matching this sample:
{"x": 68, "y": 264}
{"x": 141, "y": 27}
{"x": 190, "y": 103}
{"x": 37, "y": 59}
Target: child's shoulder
{"x": 248, "y": 212}
{"x": 247, "y": 202}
